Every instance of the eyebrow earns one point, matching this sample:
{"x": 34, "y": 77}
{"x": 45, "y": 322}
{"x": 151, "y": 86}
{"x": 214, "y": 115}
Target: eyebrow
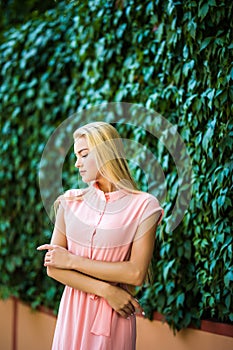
{"x": 83, "y": 149}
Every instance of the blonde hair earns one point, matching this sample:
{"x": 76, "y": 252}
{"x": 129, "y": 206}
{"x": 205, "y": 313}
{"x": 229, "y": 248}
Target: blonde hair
{"x": 104, "y": 140}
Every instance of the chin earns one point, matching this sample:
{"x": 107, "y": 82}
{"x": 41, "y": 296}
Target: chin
{"x": 87, "y": 180}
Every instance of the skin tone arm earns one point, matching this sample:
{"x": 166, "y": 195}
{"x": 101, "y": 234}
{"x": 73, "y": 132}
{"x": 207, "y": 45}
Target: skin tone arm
{"x": 131, "y": 272}
{"x": 120, "y": 300}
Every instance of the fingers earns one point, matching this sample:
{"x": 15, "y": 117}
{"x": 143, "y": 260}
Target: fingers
{"x": 45, "y": 247}
{"x": 127, "y": 310}
{"x": 135, "y": 303}
{"x": 133, "y": 308}
{"x": 47, "y": 259}
{"x": 48, "y": 256}
{"x": 130, "y": 307}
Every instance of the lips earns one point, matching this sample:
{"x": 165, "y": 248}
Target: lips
{"x": 82, "y": 172}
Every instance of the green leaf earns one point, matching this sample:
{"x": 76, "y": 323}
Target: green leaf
{"x": 206, "y": 42}
{"x": 228, "y": 278}
{"x": 180, "y": 299}
{"x": 231, "y": 72}
{"x": 167, "y": 268}
{"x": 188, "y": 66}
{"x": 192, "y": 27}
{"x": 203, "y": 10}
{"x": 228, "y": 301}
{"x": 187, "y": 249}
{"x": 208, "y": 135}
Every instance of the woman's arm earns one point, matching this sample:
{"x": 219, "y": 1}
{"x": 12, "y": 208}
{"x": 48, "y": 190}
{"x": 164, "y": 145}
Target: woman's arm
{"x": 70, "y": 278}
{"x": 130, "y": 272}
{"x": 118, "y": 299}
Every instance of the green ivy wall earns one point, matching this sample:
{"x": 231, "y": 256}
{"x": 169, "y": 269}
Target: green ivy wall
{"x": 171, "y": 56}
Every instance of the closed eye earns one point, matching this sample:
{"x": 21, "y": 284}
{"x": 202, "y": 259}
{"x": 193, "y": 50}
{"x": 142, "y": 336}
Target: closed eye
{"x": 84, "y": 155}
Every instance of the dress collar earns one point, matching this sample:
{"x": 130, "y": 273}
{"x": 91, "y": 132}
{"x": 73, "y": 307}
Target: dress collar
{"x": 109, "y": 196}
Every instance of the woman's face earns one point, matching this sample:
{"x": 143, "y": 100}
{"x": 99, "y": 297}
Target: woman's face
{"x": 85, "y": 162}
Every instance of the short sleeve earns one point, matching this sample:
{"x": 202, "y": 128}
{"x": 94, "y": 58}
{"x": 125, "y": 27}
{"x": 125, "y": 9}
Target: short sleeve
{"x": 61, "y": 207}
{"x": 59, "y": 220}
{"x": 69, "y": 195}
{"x": 151, "y": 215}
{"x": 152, "y": 206}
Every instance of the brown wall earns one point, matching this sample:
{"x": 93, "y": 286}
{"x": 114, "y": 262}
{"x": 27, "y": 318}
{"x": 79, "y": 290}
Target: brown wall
{"x": 21, "y": 329}
{"x": 6, "y": 324}
{"x": 157, "y": 336}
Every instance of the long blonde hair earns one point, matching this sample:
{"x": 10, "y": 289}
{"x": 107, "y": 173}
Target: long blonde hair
{"x": 107, "y": 144}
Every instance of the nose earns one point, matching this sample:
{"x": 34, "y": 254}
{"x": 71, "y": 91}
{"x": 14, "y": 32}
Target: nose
{"x": 78, "y": 162}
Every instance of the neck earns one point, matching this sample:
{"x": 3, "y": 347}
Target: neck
{"x": 106, "y": 186}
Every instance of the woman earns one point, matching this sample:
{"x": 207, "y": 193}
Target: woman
{"x": 101, "y": 245}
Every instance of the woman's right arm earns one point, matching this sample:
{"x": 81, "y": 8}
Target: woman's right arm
{"x": 120, "y": 300}
{"x": 69, "y": 277}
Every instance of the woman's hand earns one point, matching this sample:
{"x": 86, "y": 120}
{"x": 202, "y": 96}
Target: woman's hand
{"x": 56, "y": 256}
{"x": 121, "y": 301}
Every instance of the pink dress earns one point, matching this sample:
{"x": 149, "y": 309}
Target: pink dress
{"x": 99, "y": 226}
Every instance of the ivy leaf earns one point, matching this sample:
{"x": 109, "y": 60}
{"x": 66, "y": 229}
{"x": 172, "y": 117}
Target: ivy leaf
{"x": 205, "y": 42}
{"x": 208, "y": 135}
{"x": 167, "y": 268}
{"x": 188, "y": 66}
{"x": 180, "y": 299}
{"x": 188, "y": 249}
{"x": 228, "y": 301}
{"x": 192, "y": 26}
{"x": 231, "y": 72}
{"x": 228, "y": 278}
{"x": 203, "y": 10}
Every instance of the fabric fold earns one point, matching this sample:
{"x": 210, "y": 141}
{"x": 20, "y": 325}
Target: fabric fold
{"x": 103, "y": 317}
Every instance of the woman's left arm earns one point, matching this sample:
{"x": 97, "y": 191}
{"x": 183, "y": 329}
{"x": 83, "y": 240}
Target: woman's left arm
{"x": 131, "y": 272}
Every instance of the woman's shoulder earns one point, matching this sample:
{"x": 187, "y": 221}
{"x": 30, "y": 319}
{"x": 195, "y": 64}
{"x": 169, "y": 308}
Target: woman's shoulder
{"x": 145, "y": 196}
{"x": 147, "y": 200}
{"x": 149, "y": 204}
{"x": 73, "y": 192}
